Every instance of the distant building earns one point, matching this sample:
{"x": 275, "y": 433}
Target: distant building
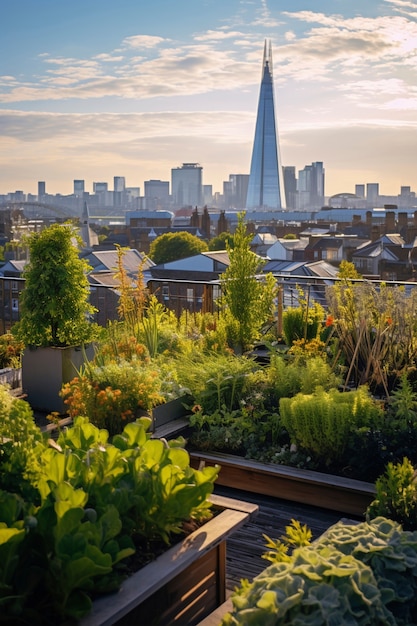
{"x": 235, "y": 191}
{"x": 372, "y": 194}
{"x": 265, "y": 179}
{"x": 119, "y": 190}
{"x": 41, "y": 189}
{"x": 360, "y": 191}
{"x": 311, "y": 186}
{"x": 186, "y": 185}
{"x": 79, "y": 188}
{"x": 290, "y": 186}
{"x": 156, "y": 194}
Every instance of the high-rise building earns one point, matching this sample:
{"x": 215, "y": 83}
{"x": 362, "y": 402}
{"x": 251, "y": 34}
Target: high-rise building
{"x": 79, "y": 188}
{"x": 119, "y": 190}
{"x": 265, "y": 188}
{"x": 100, "y": 187}
{"x": 290, "y": 186}
{"x": 235, "y": 191}
{"x": 360, "y": 191}
{"x": 156, "y": 194}
{"x": 41, "y": 189}
{"x": 311, "y": 186}
{"x": 372, "y": 194}
{"x": 186, "y": 185}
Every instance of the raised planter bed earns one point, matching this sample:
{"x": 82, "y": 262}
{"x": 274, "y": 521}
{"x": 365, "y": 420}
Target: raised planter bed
{"x": 182, "y": 586}
{"x": 344, "y": 495}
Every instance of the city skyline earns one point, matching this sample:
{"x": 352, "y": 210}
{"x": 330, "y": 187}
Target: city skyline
{"x": 94, "y": 90}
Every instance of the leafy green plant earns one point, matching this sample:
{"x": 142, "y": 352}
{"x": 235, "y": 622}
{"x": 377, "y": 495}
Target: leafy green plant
{"x": 396, "y": 495}
{"x": 20, "y": 439}
{"x": 403, "y": 403}
{"x": 94, "y": 500}
{"x": 321, "y": 422}
{"x": 356, "y": 574}
{"x": 295, "y": 536}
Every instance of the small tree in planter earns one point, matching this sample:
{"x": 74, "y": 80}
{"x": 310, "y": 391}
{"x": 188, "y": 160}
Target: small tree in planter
{"x": 55, "y": 313}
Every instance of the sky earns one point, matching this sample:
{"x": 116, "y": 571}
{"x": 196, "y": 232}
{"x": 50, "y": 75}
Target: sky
{"x": 92, "y": 89}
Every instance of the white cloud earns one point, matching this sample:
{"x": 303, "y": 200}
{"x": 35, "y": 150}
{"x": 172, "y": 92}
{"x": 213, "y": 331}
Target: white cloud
{"x": 143, "y": 41}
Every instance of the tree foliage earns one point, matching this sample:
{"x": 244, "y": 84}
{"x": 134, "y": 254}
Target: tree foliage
{"x": 173, "y": 246}
{"x": 54, "y": 303}
{"x": 220, "y": 242}
{"x": 247, "y": 300}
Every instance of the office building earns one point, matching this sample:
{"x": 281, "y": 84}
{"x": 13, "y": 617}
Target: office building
{"x": 311, "y": 186}
{"x": 290, "y": 186}
{"x": 186, "y": 185}
{"x": 41, "y": 189}
{"x": 265, "y": 179}
{"x": 119, "y": 189}
{"x": 360, "y": 191}
{"x": 372, "y": 195}
{"x": 156, "y": 194}
{"x": 235, "y": 191}
{"x": 79, "y": 188}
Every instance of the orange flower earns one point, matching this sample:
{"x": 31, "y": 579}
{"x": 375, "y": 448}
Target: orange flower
{"x": 329, "y": 320}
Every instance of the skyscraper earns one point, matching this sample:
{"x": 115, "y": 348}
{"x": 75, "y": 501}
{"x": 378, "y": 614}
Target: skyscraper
{"x": 186, "y": 185}
{"x": 265, "y": 189}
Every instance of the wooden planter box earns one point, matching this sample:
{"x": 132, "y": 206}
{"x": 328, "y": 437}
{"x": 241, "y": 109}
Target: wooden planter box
{"x": 347, "y": 496}
{"x": 183, "y": 585}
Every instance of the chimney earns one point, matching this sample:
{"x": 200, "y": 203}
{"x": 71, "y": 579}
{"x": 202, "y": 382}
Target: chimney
{"x": 375, "y": 234}
{"x": 390, "y": 222}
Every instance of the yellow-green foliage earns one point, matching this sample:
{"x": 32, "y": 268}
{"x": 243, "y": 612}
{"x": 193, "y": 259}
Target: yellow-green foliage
{"x": 289, "y": 377}
{"x": 396, "y": 495}
{"x": 303, "y": 321}
{"x": 321, "y": 422}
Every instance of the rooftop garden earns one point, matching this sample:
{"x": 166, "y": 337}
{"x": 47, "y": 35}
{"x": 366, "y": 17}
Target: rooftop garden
{"x": 337, "y": 393}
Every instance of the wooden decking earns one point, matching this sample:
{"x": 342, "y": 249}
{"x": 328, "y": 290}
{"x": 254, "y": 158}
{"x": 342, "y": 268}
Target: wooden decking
{"x": 246, "y": 545}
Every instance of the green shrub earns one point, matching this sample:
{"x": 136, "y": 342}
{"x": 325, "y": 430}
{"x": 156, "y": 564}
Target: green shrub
{"x": 396, "y": 495}
{"x": 321, "y": 422}
{"x": 216, "y": 381}
{"x": 20, "y": 439}
{"x": 302, "y": 322}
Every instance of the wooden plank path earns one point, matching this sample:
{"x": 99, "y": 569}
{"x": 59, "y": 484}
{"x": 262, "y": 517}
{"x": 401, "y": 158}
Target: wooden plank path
{"x": 246, "y": 545}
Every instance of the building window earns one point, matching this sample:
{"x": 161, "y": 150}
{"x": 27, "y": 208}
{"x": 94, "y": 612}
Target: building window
{"x": 14, "y": 285}
{"x": 165, "y": 292}
{"x": 15, "y": 304}
{"x": 190, "y": 296}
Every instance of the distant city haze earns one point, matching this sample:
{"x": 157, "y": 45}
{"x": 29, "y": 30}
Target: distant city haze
{"x": 96, "y": 90}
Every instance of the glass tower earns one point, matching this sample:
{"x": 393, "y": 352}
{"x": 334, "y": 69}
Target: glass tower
{"x": 265, "y": 179}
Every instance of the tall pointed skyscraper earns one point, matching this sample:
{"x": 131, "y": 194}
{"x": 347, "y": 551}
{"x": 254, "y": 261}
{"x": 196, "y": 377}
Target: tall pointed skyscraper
{"x": 265, "y": 189}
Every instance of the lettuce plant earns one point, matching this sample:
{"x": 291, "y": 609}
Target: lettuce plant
{"x": 91, "y": 499}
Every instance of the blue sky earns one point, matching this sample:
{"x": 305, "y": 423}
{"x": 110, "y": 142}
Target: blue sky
{"x": 96, "y": 88}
